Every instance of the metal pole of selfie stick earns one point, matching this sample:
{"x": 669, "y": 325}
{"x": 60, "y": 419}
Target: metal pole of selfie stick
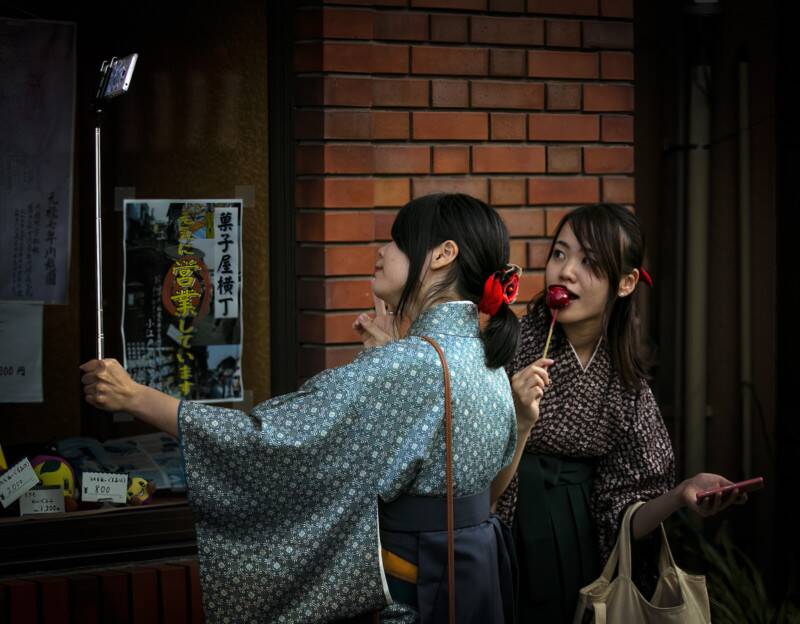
{"x": 115, "y": 79}
{"x": 105, "y": 70}
{"x": 98, "y": 251}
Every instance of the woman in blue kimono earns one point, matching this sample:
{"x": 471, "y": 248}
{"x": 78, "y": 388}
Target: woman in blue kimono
{"x": 287, "y": 498}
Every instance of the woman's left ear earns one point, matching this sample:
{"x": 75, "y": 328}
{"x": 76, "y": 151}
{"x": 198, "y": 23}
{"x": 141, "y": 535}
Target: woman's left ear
{"x": 444, "y": 254}
{"x": 628, "y": 283}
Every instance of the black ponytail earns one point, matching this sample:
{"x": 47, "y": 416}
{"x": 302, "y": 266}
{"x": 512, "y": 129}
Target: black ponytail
{"x": 482, "y": 240}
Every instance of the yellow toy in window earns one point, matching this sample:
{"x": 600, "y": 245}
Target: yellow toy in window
{"x": 55, "y": 471}
{"x": 140, "y": 491}
{"x": 3, "y": 462}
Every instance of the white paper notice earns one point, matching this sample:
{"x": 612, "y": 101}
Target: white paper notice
{"x": 41, "y": 501}
{"x": 21, "y": 353}
{"x": 17, "y": 480}
{"x": 102, "y": 486}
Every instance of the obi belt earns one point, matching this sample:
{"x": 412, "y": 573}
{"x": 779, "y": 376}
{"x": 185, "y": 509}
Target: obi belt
{"x": 413, "y": 533}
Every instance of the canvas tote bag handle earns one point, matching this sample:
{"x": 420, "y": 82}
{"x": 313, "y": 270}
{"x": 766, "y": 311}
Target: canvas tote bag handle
{"x": 622, "y": 550}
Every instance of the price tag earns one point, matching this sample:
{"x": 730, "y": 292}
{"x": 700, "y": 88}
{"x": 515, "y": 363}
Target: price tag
{"x": 42, "y": 500}
{"x": 16, "y": 481}
{"x": 102, "y": 486}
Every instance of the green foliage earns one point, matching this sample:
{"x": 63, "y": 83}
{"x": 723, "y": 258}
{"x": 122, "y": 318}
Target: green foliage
{"x": 735, "y": 585}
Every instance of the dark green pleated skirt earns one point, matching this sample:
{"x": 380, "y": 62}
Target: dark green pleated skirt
{"x": 554, "y": 536}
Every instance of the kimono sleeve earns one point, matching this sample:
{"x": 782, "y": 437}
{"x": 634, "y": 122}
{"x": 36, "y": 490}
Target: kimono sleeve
{"x": 286, "y": 498}
{"x": 640, "y": 467}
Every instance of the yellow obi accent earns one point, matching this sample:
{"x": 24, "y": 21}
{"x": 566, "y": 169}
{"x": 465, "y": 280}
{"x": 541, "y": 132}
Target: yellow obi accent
{"x": 398, "y": 567}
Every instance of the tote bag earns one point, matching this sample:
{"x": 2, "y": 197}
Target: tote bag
{"x": 679, "y": 597}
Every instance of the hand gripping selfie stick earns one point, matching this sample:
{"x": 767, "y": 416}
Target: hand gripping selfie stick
{"x": 115, "y": 79}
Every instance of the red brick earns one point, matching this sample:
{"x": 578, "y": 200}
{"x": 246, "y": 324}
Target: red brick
{"x": 619, "y": 190}
{"x": 616, "y": 8}
{"x": 401, "y": 25}
{"x": 608, "y": 35}
{"x": 508, "y": 159}
{"x": 608, "y": 159}
{"x": 507, "y": 192}
{"x": 346, "y": 125}
{"x": 454, "y": 28}
{"x": 346, "y": 91}
{"x": 334, "y": 91}
{"x": 349, "y": 158}
{"x": 604, "y": 97}
{"x": 524, "y": 95}
{"x": 335, "y": 294}
{"x": 518, "y": 252}
{"x": 466, "y": 5}
{"x": 450, "y": 126}
{"x": 370, "y": 2}
{"x": 563, "y": 33}
{"x": 563, "y": 7}
{"x": 383, "y": 225}
{"x": 390, "y": 192}
{"x": 334, "y": 193}
{"x": 558, "y": 190}
{"x": 335, "y": 226}
{"x": 308, "y": 57}
{"x": 451, "y": 159}
{"x": 389, "y": 125}
{"x": 552, "y": 218}
{"x": 530, "y": 285}
{"x": 477, "y": 187}
{"x": 399, "y": 92}
{"x": 328, "y": 328}
{"x": 312, "y": 360}
{"x": 346, "y": 24}
{"x": 508, "y": 126}
{"x": 567, "y": 127}
{"x": 538, "y": 253}
{"x": 563, "y": 159}
{"x": 563, "y": 96}
{"x": 336, "y": 260}
{"x": 507, "y": 62}
{"x": 550, "y": 64}
{"x": 617, "y": 128}
{"x": 507, "y": 6}
{"x": 388, "y": 59}
{"x": 402, "y": 159}
{"x": 450, "y": 93}
{"x": 449, "y": 61}
{"x": 616, "y": 65}
{"x": 308, "y": 24}
{"x": 523, "y": 221}
{"x": 507, "y": 31}
{"x": 309, "y": 124}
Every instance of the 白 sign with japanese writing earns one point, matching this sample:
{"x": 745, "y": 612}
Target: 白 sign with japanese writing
{"x": 182, "y": 323}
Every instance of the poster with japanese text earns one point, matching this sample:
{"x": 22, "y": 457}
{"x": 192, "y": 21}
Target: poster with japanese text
{"x": 182, "y": 322}
{"x": 37, "y": 130}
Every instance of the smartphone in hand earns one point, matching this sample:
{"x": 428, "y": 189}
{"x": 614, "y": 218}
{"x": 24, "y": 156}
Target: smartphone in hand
{"x": 743, "y": 486}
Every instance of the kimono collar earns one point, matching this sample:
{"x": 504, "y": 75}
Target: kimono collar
{"x": 455, "y": 318}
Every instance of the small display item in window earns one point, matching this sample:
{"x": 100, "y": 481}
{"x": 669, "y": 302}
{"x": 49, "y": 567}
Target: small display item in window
{"x": 53, "y": 470}
{"x": 140, "y": 491}
{"x": 3, "y": 462}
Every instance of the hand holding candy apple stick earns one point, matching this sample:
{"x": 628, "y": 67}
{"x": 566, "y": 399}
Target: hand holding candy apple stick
{"x": 556, "y": 298}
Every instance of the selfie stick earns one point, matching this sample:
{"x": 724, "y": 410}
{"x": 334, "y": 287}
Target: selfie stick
{"x": 102, "y": 95}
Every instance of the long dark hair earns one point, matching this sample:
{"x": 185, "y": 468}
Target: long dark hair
{"x": 483, "y": 248}
{"x": 614, "y": 236}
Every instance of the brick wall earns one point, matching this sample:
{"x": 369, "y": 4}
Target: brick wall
{"x": 526, "y": 106}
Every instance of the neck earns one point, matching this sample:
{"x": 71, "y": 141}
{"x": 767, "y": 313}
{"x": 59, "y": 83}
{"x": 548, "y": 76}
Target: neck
{"x": 583, "y": 337}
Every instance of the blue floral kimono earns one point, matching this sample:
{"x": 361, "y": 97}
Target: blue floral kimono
{"x": 286, "y": 498}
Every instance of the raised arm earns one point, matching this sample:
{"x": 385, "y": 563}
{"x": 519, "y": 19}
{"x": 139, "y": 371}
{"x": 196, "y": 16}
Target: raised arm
{"x": 108, "y": 386}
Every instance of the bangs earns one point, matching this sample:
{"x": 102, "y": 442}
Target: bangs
{"x": 600, "y": 237}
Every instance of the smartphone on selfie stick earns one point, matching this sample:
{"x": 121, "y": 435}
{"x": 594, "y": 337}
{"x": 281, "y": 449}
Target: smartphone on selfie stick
{"x": 750, "y": 485}
{"x": 115, "y": 79}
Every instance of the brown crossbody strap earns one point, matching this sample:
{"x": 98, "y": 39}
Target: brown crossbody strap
{"x": 448, "y": 471}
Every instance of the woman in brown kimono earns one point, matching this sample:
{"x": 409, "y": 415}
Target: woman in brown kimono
{"x": 599, "y": 443}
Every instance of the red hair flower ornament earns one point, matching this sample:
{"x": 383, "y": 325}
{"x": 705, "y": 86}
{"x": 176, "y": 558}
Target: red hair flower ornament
{"x": 500, "y": 287}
